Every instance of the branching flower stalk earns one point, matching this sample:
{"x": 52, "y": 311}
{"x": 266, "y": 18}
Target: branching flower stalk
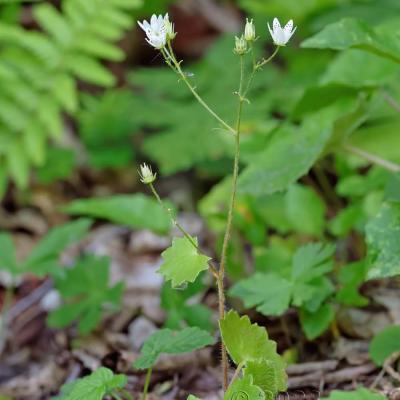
{"x": 161, "y": 38}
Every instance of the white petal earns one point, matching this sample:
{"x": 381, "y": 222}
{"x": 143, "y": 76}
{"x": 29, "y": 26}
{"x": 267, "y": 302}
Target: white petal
{"x": 276, "y": 24}
{"x": 144, "y": 25}
{"x": 288, "y": 34}
{"x": 279, "y": 37}
{"x": 288, "y": 27}
{"x": 153, "y": 20}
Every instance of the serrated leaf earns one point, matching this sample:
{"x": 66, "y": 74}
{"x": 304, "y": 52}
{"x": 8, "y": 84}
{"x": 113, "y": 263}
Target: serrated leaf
{"x": 244, "y": 389}
{"x": 360, "y": 394}
{"x": 384, "y": 344}
{"x": 383, "y": 240}
{"x": 171, "y": 342}
{"x": 264, "y": 376}
{"x": 137, "y": 211}
{"x": 249, "y": 342}
{"x": 182, "y": 262}
{"x": 93, "y": 387}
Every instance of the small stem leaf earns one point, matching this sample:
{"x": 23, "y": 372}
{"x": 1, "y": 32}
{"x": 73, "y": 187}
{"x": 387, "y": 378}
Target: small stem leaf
{"x": 182, "y": 262}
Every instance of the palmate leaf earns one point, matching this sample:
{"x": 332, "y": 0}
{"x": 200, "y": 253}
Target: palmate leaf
{"x": 93, "y": 387}
{"x": 171, "y": 342}
{"x": 248, "y": 342}
{"x": 182, "y": 262}
{"x": 307, "y": 285}
{"x": 383, "y": 239}
{"x": 244, "y": 389}
{"x": 316, "y": 323}
{"x": 86, "y": 292}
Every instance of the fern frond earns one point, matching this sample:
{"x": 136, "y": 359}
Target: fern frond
{"x": 39, "y": 72}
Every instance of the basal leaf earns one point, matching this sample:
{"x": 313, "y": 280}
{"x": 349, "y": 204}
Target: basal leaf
{"x": 171, "y": 342}
{"x": 182, "y": 262}
{"x": 264, "y": 376}
{"x": 249, "y": 342}
{"x": 137, "y": 211}
{"x": 244, "y": 389}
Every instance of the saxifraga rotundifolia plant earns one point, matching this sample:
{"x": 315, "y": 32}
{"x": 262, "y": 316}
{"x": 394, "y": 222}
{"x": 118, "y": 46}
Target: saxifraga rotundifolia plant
{"x": 160, "y": 33}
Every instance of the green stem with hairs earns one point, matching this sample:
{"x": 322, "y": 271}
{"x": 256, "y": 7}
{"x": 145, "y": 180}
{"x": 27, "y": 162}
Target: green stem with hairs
{"x": 147, "y": 384}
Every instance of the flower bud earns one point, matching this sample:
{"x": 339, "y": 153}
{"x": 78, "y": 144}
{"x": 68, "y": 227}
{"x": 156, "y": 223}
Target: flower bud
{"x": 169, "y": 28}
{"x": 146, "y": 174}
{"x": 250, "y": 31}
{"x": 240, "y": 45}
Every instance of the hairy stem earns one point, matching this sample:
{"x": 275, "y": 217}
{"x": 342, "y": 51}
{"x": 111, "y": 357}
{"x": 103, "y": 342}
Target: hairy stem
{"x": 228, "y": 231}
{"x": 237, "y": 372}
{"x": 372, "y": 158}
{"x": 147, "y": 384}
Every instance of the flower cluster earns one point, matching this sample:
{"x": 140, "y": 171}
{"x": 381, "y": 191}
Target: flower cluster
{"x": 160, "y": 30}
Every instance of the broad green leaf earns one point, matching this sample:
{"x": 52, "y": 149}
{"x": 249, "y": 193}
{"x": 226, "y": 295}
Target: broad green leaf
{"x": 316, "y": 323}
{"x": 191, "y": 397}
{"x": 305, "y": 210}
{"x": 46, "y": 253}
{"x": 264, "y": 376}
{"x": 247, "y": 342}
{"x": 349, "y": 69}
{"x": 349, "y": 33}
{"x": 288, "y": 156}
{"x": 383, "y": 240}
{"x": 384, "y": 344}
{"x": 182, "y": 262}
{"x": 392, "y": 189}
{"x": 86, "y": 293}
{"x": 93, "y": 387}
{"x": 244, "y": 389}
{"x": 360, "y": 394}
{"x": 171, "y": 342}
{"x": 137, "y": 211}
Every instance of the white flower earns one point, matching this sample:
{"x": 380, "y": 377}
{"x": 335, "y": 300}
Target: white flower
{"x": 169, "y": 28}
{"x": 249, "y": 31}
{"x": 281, "y": 35}
{"x": 146, "y": 174}
{"x": 240, "y": 45}
{"x": 155, "y": 31}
